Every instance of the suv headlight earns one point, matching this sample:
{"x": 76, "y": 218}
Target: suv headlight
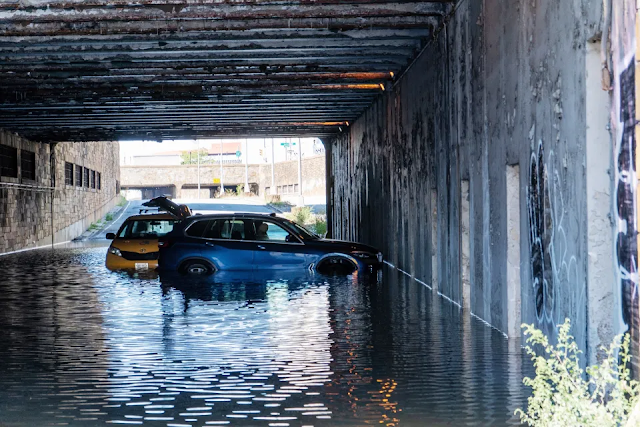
{"x": 115, "y": 251}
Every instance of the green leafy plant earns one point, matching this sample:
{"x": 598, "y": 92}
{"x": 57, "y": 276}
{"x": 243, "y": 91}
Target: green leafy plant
{"x": 320, "y": 226}
{"x": 122, "y": 201}
{"x": 240, "y": 189}
{"x": 191, "y": 157}
{"x": 562, "y": 396}
{"x": 108, "y": 217}
{"x": 302, "y": 215}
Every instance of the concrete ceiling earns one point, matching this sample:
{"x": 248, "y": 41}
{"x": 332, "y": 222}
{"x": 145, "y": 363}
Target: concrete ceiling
{"x": 87, "y": 70}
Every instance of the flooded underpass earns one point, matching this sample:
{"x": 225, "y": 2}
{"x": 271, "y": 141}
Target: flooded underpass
{"x": 82, "y": 346}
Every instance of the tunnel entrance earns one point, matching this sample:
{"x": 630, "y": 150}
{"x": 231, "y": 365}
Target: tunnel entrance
{"x": 145, "y": 193}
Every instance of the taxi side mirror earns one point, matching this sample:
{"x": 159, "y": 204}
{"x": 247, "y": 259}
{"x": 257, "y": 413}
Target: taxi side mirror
{"x": 111, "y": 236}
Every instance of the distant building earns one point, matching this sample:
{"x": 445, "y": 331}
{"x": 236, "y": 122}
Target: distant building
{"x": 229, "y": 151}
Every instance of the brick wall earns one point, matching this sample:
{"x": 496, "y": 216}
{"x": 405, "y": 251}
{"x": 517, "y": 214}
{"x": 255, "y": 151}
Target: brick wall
{"x": 25, "y": 203}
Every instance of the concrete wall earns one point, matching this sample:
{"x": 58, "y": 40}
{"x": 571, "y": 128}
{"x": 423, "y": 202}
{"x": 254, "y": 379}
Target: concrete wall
{"x": 185, "y": 177}
{"x": 25, "y": 205}
{"x": 502, "y": 85}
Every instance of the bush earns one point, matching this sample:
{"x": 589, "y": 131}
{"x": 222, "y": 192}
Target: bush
{"x": 301, "y": 215}
{"x": 561, "y": 395}
{"x": 122, "y": 201}
{"x": 108, "y": 217}
{"x": 240, "y": 189}
{"x": 320, "y": 227}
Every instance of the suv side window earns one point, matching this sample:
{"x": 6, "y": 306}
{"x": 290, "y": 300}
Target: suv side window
{"x": 227, "y": 228}
{"x": 197, "y": 228}
{"x": 214, "y": 229}
{"x": 233, "y": 229}
{"x": 270, "y": 231}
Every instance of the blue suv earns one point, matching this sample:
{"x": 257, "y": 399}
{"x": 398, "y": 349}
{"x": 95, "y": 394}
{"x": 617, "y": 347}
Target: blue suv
{"x": 203, "y": 244}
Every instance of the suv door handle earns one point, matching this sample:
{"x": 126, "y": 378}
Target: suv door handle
{"x": 209, "y": 243}
{"x": 261, "y": 247}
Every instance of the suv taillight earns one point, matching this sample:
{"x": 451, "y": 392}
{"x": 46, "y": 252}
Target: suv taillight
{"x": 164, "y": 243}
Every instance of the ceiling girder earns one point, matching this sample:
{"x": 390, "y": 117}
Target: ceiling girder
{"x": 74, "y": 70}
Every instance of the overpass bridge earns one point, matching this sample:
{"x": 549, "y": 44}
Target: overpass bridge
{"x": 182, "y": 181}
{"x": 472, "y": 141}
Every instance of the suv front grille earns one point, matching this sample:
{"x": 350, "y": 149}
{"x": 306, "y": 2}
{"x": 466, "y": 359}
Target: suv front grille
{"x": 134, "y": 256}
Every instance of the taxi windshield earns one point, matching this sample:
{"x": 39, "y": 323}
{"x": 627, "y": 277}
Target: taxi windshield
{"x": 146, "y": 228}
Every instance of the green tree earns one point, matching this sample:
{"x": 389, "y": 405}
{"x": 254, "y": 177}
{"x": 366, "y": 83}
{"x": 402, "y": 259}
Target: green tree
{"x": 191, "y": 157}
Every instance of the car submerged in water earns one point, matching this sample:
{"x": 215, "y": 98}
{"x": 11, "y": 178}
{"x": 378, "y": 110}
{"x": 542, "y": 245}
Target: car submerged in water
{"x": 204, "y": 244}
{"x": 135, "y": 245}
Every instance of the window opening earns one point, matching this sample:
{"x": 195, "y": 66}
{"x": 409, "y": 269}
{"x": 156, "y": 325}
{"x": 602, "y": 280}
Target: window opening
{"x": 28, "y": 164}
{"x": 68, "y": 173}
{"x": 8, "y": 161}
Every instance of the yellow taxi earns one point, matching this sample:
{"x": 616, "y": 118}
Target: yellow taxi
{"x": 135, "y": 245}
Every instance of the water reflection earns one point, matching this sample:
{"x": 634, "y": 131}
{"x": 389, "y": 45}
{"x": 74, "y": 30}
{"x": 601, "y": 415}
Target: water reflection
{"x": 84, "y": 346}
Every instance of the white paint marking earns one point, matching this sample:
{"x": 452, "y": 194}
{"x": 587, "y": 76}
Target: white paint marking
{"x": 423, "y": 283}
{"x": 450, "y": 300}
{"x": 489, "y": 324}
{"x": 122, "y": 213}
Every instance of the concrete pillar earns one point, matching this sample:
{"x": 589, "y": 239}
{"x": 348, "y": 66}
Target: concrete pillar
{"x": 465, "y": 250}
{"x": 514, "y": 317}
{"x": 179, "y": 186}
{"x": 274, "y": 189}
{"x": 434, "y": 240}
{"x": 600, "y": 268}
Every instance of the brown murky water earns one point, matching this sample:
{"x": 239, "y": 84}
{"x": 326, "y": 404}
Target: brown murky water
{"x": 82, "y": 346}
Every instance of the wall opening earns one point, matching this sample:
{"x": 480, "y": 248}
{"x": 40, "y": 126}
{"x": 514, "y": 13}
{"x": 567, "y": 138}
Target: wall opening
{"x": 434, "y": 240}
{"x": 465, "y": 242}
{"x": 600, "y": 273}
{"x": 514, "y": 318}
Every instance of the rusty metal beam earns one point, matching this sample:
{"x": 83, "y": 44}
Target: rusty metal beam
{"x": 171, "y": 4}
{"x": 106, "y": 12}
{"x": 152, "y": 69}
{"x": 172, "y": 26}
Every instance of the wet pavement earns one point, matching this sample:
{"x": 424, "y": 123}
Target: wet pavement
{"x": 82, "y": 346}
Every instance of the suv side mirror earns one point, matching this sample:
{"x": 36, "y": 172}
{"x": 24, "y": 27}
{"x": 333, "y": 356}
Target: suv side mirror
{"x": 111, "y": 236}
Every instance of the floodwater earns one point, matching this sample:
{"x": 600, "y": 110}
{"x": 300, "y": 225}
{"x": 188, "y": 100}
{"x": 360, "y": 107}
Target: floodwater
{"x": 82, "y": 346}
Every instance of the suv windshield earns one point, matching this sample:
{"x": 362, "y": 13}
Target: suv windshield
{"x": 306, "y": 234}
{"x": 146, "y": 228}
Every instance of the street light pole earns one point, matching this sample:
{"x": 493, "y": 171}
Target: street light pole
{"x": 221, "y": 182}
{"x": 300, "y": 171}
{"x": 198, "y": 155}
{"x": 246, "y": 167}
{"x": 273, "y": 169}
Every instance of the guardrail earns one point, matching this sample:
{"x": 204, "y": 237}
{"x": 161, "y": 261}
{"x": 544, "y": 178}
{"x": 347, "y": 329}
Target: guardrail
{"x": 26, "y": 187}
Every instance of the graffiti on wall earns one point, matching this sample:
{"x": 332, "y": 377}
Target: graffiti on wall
{"x": 540, "y": 231}
{"x": 552, "y": 265}
{"x": 626, "y": 242}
